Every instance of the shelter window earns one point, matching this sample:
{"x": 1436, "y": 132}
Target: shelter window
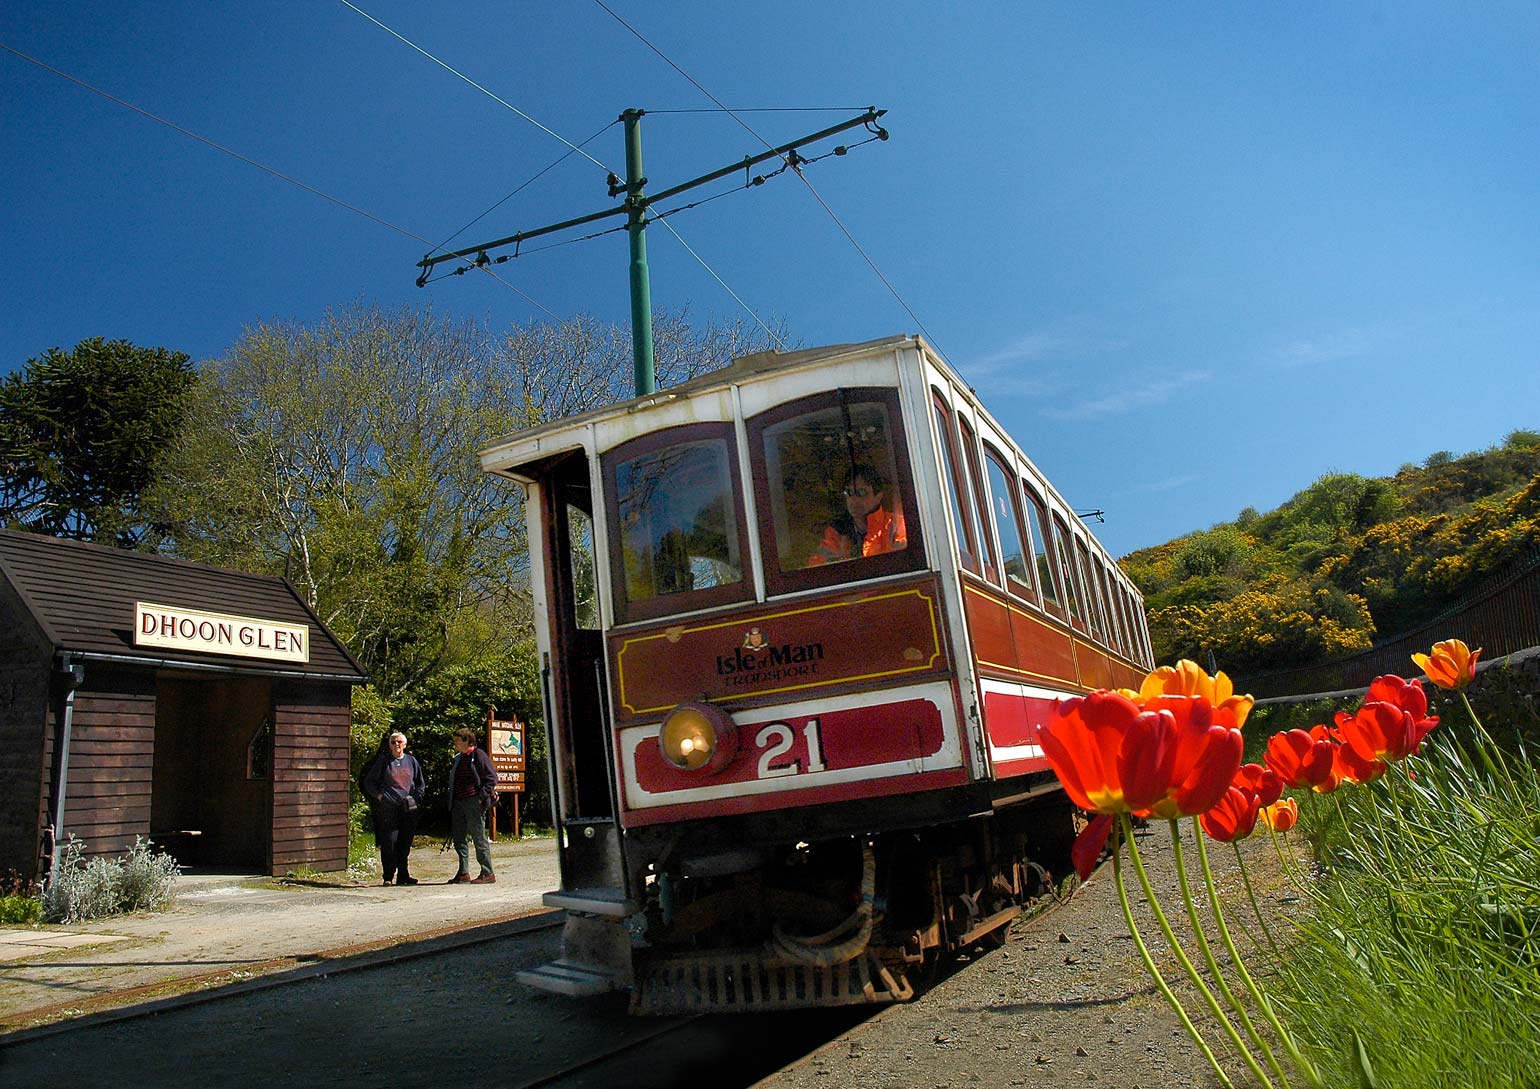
{"x": 677, "y": 537}
{"x": 1015, "y": 540}
{"x": 833, "y": 476}
{"x": 259, "y": 751}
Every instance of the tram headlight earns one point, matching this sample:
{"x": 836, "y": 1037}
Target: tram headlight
{"x": 698, "y": 736}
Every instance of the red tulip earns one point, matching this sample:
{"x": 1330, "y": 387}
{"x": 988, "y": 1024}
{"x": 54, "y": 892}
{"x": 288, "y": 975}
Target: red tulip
{"x": 1082, "y": 741}
{"x": 1205, "y": 760}
{"x": 1409, "y": 696}
{"x": 1299, "y": 759}
{"x": 1265, "y": 783}
{"x": 1234, "y": 817}
{"x": 1187, "y": 678}
{"x": 1351, "y": 767}
{"x": 1377, "y": 731}
{"x": 1089, "y": 844}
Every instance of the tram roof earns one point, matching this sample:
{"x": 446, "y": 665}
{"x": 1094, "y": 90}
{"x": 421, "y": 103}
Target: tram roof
{"x": 739, "y": 370}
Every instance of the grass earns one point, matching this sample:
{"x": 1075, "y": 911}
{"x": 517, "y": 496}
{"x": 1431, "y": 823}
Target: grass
{"x": 1421, "y": 934}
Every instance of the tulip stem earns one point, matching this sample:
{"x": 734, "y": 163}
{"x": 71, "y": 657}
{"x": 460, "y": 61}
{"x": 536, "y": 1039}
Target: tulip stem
{"x": 1144, "y": 951}
{"x": 1207, "y": 951}
{"x": 1489, "y": 748}
{"x": 1252, "y": 896}
{"x": 1257, "y": 993}
{"x": 1204, "y": 991}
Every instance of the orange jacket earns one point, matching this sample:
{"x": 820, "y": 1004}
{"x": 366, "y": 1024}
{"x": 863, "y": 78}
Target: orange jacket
{"x": 885, "y": 532}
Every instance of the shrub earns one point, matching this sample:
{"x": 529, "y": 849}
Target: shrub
{"x": 20, "y": 910}
{"x": 140, "y": 881}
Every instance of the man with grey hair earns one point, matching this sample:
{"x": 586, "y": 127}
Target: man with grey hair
{"x": 394, "y": 786}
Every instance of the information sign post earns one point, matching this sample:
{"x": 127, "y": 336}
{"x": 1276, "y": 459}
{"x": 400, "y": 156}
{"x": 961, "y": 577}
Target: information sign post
{"x": 505, "y": 744}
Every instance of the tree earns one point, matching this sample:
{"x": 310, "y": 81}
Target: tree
{"x": 342, "y": 453}
{"x": 81, "y": 433}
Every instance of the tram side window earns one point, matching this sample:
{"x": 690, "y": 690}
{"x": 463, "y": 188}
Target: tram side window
{"x": 835, "y": 485}
{"x": 970, "y": 465}
{"x": 1109, "y": 605}
{"x": 1066, "y": 572}
{"x": 678, "y": 526}
{"x": 1014, "y": 541}
{"x": 962, "y": 511}
{"x": 1093, "y": 603}
{"x": 1044, "y": 565}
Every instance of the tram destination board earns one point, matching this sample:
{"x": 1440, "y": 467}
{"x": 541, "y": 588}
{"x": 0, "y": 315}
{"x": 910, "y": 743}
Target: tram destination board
{"x": 505, "y": 744}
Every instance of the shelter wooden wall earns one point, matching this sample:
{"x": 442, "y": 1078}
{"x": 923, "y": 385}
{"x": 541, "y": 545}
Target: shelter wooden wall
{"x": 311, "y": 730}
{"x": 24, "y": 680}
{"x": 112, "y": 757}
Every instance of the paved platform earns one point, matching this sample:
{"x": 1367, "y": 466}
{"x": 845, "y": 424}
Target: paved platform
{"x": 225, "y": 928}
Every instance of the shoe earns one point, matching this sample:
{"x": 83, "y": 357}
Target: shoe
{"x": 389, "y": 881}
{"x": 459, "y": 879}
{"x": 484, "y": 879}
{"x": 407, "y": 881}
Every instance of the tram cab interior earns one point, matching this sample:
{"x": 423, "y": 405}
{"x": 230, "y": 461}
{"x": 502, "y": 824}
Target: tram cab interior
{"x": 796, "y": 618}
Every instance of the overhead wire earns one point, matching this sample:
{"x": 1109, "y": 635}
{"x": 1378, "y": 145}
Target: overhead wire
{"x": 280, "y": 175}
{"x": 482, "y": 264}
{"x": 816, "y": 195}
{"x": 494, "y": 97}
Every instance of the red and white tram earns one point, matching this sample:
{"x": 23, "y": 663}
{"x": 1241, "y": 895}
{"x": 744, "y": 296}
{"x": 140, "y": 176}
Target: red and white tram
{"x": 800, "y": 618}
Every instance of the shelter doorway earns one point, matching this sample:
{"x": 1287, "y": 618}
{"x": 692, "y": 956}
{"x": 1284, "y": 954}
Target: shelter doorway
{"x": 211, "y": 793}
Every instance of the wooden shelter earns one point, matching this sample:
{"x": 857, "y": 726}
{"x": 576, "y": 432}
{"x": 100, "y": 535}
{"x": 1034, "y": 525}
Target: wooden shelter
{"x": 205, "y": 709}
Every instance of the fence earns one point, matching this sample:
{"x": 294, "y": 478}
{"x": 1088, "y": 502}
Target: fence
{"x": 1502, "y": 617}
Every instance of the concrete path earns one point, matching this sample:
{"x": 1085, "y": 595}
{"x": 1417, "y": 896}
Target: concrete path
{"x": 225, "y": 928}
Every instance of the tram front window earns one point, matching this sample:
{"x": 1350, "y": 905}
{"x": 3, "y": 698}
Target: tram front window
{"x": 833, "y": 489}
{"x": 678, "y": 521}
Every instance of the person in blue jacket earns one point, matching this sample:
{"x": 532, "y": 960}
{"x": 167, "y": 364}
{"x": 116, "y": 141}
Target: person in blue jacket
{"x": 472, "y": 791}
{"x": 394, "y": 785}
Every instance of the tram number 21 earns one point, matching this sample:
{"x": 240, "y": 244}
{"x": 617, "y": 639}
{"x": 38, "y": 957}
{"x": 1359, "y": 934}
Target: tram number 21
{"x": 777, "y": 739}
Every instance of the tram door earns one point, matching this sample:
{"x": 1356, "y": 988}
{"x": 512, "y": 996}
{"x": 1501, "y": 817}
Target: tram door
{"x": 591, "y": 854}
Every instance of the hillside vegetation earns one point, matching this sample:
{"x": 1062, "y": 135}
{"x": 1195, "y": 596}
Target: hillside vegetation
{"x": 1345, "y": 561}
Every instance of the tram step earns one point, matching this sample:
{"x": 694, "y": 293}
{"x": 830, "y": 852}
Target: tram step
{"x": 591, "y": 901}
{"x": 573, "y": 980}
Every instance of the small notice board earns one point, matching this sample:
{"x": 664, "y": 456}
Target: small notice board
{"x": 506, "y": 738}
{"x": 505, "y": 744}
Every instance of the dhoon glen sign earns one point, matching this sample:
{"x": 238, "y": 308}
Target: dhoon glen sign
{"x": 173, "y": 628}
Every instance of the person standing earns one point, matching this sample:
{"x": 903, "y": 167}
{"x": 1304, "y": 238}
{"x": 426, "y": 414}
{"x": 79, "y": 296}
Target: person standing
{"x": 394, "y": 786}
{"x": 472, "y": 791}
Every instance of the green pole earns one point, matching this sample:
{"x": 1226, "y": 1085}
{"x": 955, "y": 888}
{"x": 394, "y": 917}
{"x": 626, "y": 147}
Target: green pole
{"x": 641, "y": 286}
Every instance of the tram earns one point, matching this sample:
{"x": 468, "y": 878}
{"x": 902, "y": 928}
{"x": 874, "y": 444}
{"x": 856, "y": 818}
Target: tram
{"x": 798, "y": 620}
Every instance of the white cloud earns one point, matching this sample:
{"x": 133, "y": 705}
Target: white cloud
{"x": 1130, "y": 398}
{"x": 1330, "y": 348}
{"x": 1007, "y": 371}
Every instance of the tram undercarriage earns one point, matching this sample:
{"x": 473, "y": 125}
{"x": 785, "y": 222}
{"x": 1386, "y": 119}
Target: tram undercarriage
{"x": 843, "y": 921}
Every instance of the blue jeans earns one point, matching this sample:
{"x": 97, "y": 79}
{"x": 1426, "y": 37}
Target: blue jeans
{"x": 469, "y": 815}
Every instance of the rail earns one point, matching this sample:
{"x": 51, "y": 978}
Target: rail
{"x": 1502, "y": 616}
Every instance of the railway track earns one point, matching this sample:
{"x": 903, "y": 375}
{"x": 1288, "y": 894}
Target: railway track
{"x": 444, "y": 997}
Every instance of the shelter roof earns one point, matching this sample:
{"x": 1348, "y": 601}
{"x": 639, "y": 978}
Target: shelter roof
{"x": 82, "y": 598}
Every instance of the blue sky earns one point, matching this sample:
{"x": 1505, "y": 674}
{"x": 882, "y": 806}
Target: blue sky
{"x": 1193, "y": 256}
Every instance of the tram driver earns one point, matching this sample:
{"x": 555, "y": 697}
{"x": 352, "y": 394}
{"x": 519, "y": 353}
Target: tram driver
{"x": 871, "y": 524}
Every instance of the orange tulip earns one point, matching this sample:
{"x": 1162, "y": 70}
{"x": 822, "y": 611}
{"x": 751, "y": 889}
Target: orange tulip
{"x": 1233, "y": 818}
{"x": 1187, "y": 678}
{"x": 1452, "y": 664}
{"x": 1281, "y": 815}
{"x": 1300, "y": 759}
